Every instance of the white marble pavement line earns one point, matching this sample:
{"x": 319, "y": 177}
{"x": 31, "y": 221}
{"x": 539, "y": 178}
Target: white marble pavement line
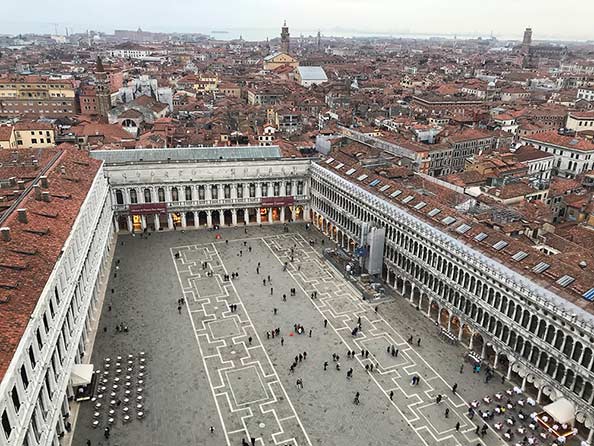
{"x": 366, "y": 308}
{"x": 222, "y": 420}
{"x": 223, "y": 296}
{"x": 212, "y": 309}
{"x": 257, "y": 335}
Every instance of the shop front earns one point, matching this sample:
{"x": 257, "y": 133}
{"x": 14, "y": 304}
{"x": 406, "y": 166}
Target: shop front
{"x": 145, "y": 216}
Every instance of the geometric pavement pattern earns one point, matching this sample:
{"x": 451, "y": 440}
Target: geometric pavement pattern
{"x": 247, "y": 390}
{"x": 248, "y": 393}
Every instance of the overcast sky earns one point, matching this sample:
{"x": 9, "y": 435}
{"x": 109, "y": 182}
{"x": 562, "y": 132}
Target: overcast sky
{"x": 566, "y": 19}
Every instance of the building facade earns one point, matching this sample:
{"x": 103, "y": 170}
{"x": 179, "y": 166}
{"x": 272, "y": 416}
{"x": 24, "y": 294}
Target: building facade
{"x": 232, "y": 192}
{"x": 35, "y": 392}
{"x": 37, "y": 96}
{"x": 510, "y": 322}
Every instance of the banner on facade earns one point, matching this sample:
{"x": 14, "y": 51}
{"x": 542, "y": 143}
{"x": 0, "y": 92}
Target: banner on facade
{"x": 271, "y": 202}
{"x": 147, "y": 208}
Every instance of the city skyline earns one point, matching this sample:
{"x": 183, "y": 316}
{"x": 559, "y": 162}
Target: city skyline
{"x": 258, "y": 19}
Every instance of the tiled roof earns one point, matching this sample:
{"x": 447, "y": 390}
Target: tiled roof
{"x": 20, "y": 288}
{"x": 560, "y": 265}
{"x": 568, "y": 142}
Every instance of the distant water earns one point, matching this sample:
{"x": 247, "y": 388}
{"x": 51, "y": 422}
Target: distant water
{"x": 260, "y": 34}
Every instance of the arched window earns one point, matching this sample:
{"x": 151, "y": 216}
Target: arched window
{"x": 174, "y": 194}
{"x": 161, "y": 194}
{"x": 119, "y": 197}
{"x": 188, "y": 193}
{"x": 147, "y": 196}
{"x": 133, "y": 197}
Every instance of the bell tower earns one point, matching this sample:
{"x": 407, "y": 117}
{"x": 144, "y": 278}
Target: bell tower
{"x": 285, "y": 38}
{"x": 102, "y": 90}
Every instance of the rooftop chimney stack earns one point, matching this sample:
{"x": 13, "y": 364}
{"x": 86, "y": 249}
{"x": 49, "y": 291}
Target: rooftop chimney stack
{"x": 21, "y": 184}
{"x": 63, "y": 170}
{"x": 5, "y": 234}
{"x": 44, "y": 182}
{"x": 45, "y": 196}
{"x": 13, "y": 181}
{"x": 22, "y": 215}
{"x": 37, "y": 191}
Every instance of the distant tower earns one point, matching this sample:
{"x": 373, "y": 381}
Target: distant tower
{"x": 527, "y": 37}
{"x": 319, "y": 40}
{"x": 285, "y": 38}
{"x": 102, "y": 90}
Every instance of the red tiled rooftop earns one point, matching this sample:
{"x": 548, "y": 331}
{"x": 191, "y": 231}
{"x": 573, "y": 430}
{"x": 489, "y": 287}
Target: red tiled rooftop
{"x": 17, "y": 304}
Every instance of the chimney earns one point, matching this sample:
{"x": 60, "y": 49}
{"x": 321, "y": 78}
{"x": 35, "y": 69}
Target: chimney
{"x": 5, "y": 234}
{"x": 13, "y": 181}
{"x": 45, "y": 196}
{"x": 35, "y": 163}
{"x": 22, "y": 215}
{"x": 21, "y": 184}
{"x": 37, "y": 191}
{"x": 63, "y": 170}
{"x": 43, "y": 181}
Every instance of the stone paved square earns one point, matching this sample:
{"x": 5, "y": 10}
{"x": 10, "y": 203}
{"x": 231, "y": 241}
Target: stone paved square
{"x": 246, "y": 386}
{"x": 211, "y": 366}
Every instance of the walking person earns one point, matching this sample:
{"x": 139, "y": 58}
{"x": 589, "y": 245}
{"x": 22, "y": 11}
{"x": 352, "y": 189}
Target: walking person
{"x": 356, "y": 400}
{"x": 447, "y": 412}
{"x": 391, "y": 395}
{"x": 454, "y": 388}
{"x": 211, "y": 429}
{"x": 325, "y": 323}
{"x": 282, "y": 341}
{"x": 250, "y": 340}
{"x": 458, "y": 426}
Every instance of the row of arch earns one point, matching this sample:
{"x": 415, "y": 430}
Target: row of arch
{"x": 435, "y": 279}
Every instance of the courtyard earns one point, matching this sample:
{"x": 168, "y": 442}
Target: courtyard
{"x": 206, "y": 365}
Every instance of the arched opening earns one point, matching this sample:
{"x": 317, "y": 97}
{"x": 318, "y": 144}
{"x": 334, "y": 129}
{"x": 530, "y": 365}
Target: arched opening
{"x": 444, "y": 317}
{"x": 228, "y": 217}
{"x": 202, "y": 218}
{"x": 240, "y": 216}
{"x": 216, "y": 218}
{"x": 466, "y": 334}
{"x": 434, "y": 311}
{"x": 189, "y": 219}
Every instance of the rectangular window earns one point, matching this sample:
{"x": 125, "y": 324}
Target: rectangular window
{"x": 15, "y": 399}
{"x": 24, "y": 376}
{"x": 6, "y": 425}
{"x": 32, "y": 356}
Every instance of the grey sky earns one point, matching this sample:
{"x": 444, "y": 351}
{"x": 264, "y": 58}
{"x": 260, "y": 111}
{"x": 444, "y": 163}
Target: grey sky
{"x": 570, "y": 19}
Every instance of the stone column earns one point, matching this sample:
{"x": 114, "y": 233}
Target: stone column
{"x": 221, "y": 218}
{"x": 258, "y": 190}
{"x": 209, "y": 219}
{"x": 460, "y": 331}
{"x": 509, "y": 371}
{"x": 130, "y": 226}
{"x": 269, "y": 215}
{"x": 484, "y": 350}
{"x": 524, "y": 380}
{"x": 208, "y": 192}
{"x": 234, "y": 191}
{"x": 258, "y": 216}
{"x": 234, "y": 217}
{"x": 470, "y": 344}
{"x": 282, "y": 214}
{"x": 246, "y": 216}
{"x": 169, "y": 221}
{"x": 183, "y": 219}
{"x": 539, "y": 395}
{"x": 496, "y": 360}
{"x": 157, "y": 223}
{"x": 196, "y": 220}
{"x": 590, "y": 436}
